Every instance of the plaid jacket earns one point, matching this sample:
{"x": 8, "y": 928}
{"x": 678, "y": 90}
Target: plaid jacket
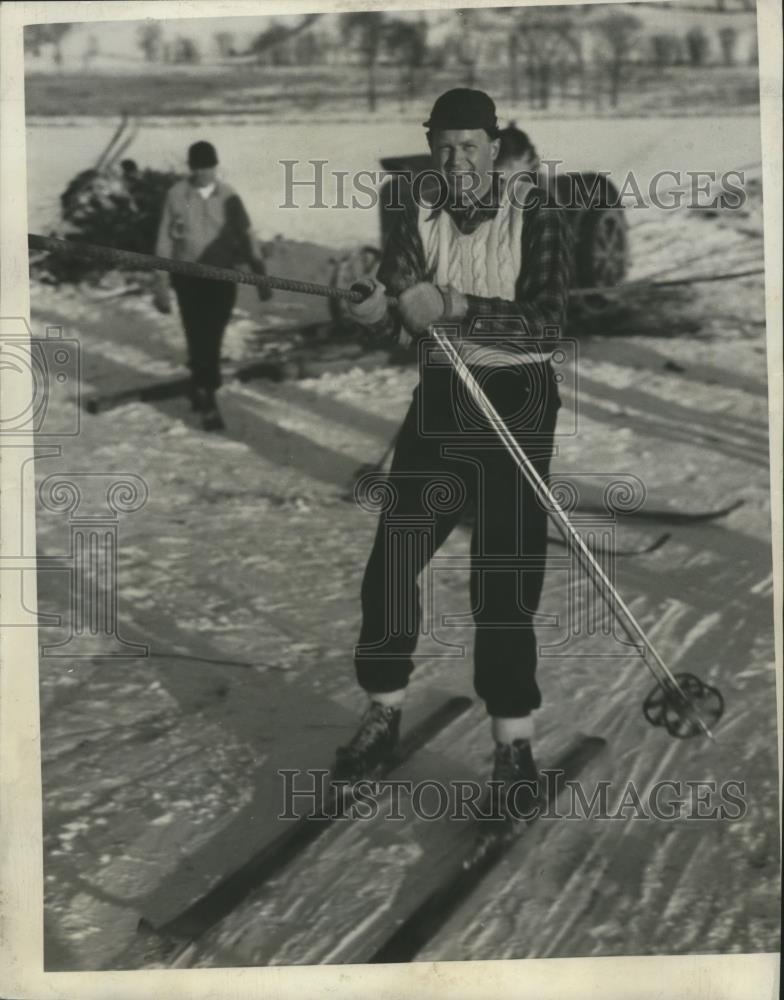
{"x": 542, "y": 289}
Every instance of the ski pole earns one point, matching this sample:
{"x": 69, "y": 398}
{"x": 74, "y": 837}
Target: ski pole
{"x": 673, "y": 701}
{"x": 675, "y": 692}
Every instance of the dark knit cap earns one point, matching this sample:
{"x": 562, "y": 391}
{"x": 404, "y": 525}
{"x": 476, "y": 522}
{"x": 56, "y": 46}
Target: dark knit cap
{"x": 463, "y": 108}
{"x": 201, "y": 155}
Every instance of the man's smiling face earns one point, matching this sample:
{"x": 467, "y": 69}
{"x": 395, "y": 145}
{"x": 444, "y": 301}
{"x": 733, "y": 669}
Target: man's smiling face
{"x": 465, "y": 157}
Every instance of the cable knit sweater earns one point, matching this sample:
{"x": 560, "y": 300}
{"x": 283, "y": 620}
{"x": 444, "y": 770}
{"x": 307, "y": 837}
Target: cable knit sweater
{"x": 511, "y": 263}
{"x": 483, "y": 261}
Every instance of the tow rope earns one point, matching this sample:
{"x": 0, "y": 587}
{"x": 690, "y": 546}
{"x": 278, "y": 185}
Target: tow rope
{"x": 150, "y": 262}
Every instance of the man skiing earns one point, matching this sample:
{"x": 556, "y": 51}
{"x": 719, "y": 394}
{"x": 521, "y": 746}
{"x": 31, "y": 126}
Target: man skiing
{"x": 204, "y": 220}
{"x": 491, "y": 260}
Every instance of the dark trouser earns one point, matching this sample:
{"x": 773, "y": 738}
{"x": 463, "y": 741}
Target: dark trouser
{"x": 205, "y": 307}
{"x": 508, "y": 543}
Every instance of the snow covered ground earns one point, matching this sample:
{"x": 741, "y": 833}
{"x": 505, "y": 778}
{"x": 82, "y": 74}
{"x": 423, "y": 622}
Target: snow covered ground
{"x": 251, "y": 153}
{"x": 242, "y": 571}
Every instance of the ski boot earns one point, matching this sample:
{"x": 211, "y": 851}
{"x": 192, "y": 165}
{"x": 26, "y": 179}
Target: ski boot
{"x": 514, "y": 793}
{"x": 211, "y": 419}
{"x": 373, "y": 744}
{"x": 198, "y": 397}
{"x": 512, "y": 800}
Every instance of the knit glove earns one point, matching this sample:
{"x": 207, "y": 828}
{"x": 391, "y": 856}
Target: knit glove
{"x": 455, "y": 303}
{"x": 373, "y": 309}
{"x": 424, "y": 304}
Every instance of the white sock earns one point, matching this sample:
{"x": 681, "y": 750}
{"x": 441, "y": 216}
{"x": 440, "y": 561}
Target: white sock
{"x": 509, "y": 730}
{"x": 389, "y": 699}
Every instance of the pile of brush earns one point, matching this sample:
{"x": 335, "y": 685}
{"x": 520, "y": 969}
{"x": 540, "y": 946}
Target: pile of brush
{"x": 113, "y": 204}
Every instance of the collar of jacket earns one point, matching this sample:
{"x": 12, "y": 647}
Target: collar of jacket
{"x": 468, "y": 219}
{"x": 216, "y": 186}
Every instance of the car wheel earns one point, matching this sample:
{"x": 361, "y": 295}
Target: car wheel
{"x": 602, "y": 248}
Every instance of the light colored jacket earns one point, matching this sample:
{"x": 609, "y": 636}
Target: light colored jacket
{"x": 214, "y": 230}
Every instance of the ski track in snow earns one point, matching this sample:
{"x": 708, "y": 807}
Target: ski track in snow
{"x": 255, "y": 573}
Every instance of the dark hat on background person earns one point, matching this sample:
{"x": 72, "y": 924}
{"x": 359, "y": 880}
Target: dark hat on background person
{"x": 463, "y": 108}
{"x": 202, "y": 155}
{"x": 514, "y": 142}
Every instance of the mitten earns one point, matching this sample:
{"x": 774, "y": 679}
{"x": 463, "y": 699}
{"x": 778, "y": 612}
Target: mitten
{"x": 421, "y": 305}
{"x": 372, "y": 309}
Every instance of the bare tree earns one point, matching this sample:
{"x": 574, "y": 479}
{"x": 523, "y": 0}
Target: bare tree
{"x": 619, "y": 34}
{"x": 697, "y": 46}
{"x": 277, "y": 34}
{"x": 513, "y": 55}
{"x": 666, "y": 49}
{"x": 150, "y": 40}
{"x": 548, "y": 37}
{"x": 91, "y": 50}
{"x": 365, "y": 30}
{"x": 38, "y": 35}
{"x": 728, "y": 39}
{"x": 308, "y": 49}
{"x": 270, "y": 45}
{"x": 466, "y": 46}
{"x": 753, "y": 54}
{"x": 185, "y": 51}
{"x": 224, "y": 43}
{"x": 33, "y": 39}
{"x": 54, "y": 35}
{"x": 406, "y": 41}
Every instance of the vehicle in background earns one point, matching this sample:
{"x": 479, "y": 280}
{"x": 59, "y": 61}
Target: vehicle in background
{"x": 593, "y": 210}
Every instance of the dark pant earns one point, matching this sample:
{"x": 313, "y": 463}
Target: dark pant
{"x": 447, "y": 457}
{"x": 205, "y": 307}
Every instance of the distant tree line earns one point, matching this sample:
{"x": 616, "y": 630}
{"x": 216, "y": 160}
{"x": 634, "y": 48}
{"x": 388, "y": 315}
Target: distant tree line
{"x": 692, "y": 48}
{"x": 559, "y": 50}
{"x": 40, "y": 36}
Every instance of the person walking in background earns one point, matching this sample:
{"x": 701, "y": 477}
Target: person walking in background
{"x": 205, "y": 221}
{"x": 516, "y": 154}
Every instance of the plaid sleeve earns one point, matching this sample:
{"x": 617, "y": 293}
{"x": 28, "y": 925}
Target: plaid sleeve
{"x": 402, "y": 264}
{"x": 542, "y": 292}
